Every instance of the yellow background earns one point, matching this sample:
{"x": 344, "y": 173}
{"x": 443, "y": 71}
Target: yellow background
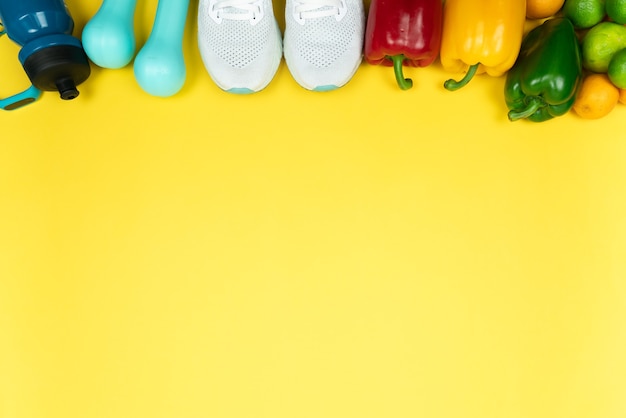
{"x": 367, "y": 252}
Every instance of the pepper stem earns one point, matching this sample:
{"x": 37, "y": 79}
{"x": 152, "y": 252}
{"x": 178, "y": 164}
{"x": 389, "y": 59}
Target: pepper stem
{"x": 403, "y": 83}
{"x": 532, "y": 105}
{"x": 455, "y": 85}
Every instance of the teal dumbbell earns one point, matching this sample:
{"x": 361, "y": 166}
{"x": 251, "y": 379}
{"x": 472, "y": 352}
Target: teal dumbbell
{"x": 159, "y": 66}
{"x": 109, "y": 36}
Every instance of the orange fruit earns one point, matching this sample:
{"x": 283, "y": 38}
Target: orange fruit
{"x": 622, "y": 96}
{"x": 596, "y": 98}
{"x": 541, "y": 9}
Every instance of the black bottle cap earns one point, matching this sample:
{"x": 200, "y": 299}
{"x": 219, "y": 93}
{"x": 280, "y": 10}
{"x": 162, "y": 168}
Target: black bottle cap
{"x": 58, "y": 68}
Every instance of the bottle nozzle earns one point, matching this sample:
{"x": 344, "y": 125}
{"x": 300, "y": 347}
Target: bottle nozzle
{"x": 67, "y": 88}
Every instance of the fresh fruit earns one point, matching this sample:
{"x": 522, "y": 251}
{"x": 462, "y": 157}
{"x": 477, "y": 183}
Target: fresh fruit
{"x": 600, "y": 44}
{"x": 584, "y": 13}
{"x": 622, "y": 96}
{"x": 617, "y": 69}
{"x": 541, "y": 9}
{"x": 596, "y": 98}
{"x": 616, "y": 10}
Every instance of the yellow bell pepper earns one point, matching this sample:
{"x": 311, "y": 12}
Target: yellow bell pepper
{"x": 481, "y": 36}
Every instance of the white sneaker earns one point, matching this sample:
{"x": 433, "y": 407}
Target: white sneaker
{"x": 323, "y": 41}
{"x": 240, "y": 43}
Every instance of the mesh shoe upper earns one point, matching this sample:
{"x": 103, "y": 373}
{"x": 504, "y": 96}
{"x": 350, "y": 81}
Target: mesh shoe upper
{"x": 323, "y": 41}
{"x": 240, "y": 43}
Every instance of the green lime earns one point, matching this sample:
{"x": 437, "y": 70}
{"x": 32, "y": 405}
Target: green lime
{"x": 600, "y": 44}
{"x": 584, "y": 13}
{"x": 617, "y": 69}
{"x": 616, "y": 10}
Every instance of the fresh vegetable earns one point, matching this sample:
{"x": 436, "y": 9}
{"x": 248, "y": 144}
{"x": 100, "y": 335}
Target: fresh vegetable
{"x": 544, "y": 80}
{"x": 481, "y": 36}
{"x": 403, "y": 32}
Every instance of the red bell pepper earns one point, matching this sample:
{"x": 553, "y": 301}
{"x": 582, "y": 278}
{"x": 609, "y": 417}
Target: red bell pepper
{"x": 403, "y": 32}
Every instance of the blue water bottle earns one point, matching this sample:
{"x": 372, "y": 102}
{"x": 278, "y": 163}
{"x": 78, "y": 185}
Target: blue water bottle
{"x": 53, "y": 59}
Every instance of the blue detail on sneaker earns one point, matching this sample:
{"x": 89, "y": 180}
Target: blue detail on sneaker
{"x": 240, "y": 90}
{"x": 328, "y": 87}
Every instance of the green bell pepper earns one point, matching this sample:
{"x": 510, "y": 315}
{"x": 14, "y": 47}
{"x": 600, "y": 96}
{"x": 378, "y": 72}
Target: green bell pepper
{"x": 544, "y": 80}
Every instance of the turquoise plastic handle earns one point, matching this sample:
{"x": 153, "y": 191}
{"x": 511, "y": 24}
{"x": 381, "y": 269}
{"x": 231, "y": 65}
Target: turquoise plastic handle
{"x": 18, "y": 100}
{"x": 160, "y": 66}
{"x": 109, "y": 38}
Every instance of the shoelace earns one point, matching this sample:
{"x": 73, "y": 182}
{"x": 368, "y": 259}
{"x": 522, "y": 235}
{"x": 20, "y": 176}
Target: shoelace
{"x": 309, "y": 9}
{"x": 237, "y": 9}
